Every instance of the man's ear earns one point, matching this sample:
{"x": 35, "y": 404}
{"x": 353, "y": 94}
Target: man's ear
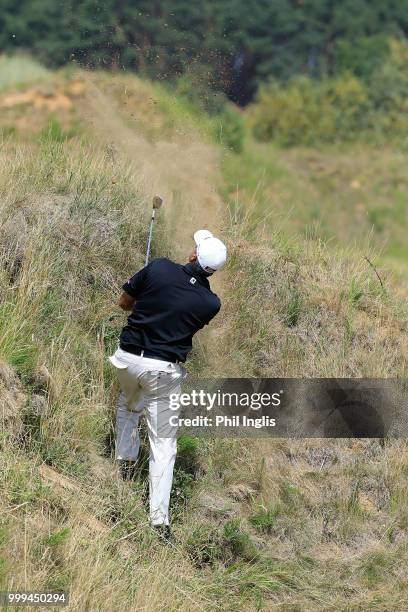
{"x": 193, "y": 256}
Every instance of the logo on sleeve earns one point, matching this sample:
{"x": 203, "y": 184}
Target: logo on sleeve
{"x": 193, "y": 280}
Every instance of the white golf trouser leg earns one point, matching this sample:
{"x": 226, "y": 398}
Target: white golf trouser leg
{"x": 127, "y": 426}
{"x": 148, "y": 383}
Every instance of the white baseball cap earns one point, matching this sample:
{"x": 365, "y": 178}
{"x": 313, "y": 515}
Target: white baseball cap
{"x": 211, "y": 252}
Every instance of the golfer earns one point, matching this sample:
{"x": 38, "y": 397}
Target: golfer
{"x": 169, "y": 303}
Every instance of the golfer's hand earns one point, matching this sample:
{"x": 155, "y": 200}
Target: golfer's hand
{"x": 126, "y": 302}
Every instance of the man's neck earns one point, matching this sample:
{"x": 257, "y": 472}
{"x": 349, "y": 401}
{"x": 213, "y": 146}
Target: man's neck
{"x": 195, "y": 269}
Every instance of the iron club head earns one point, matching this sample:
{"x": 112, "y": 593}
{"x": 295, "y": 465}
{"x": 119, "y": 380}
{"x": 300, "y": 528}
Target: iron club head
{"x": 157, "y": 202}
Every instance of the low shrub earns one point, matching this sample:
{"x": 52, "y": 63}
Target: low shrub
{"x": 371, "y": 102}
{"x": 306, "y": 112}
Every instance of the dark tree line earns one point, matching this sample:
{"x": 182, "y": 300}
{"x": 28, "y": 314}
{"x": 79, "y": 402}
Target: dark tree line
{"x": 232, "y": 45}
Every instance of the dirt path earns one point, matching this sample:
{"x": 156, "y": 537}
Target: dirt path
{"x": 185, "y": 175}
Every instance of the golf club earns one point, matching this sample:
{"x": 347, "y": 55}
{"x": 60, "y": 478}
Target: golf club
{"x": 157, "y": 202}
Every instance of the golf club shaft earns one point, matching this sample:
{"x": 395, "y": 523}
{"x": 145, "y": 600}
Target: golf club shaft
{"x": 149, "y": 242}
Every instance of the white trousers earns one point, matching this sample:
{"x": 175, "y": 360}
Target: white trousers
{"x": 146, "y": 386}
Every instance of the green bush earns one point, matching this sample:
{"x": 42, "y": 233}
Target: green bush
{"x": 293, "y": 307}
{"x": 54, "y": 132}
{"x": 349, "y": 102}
{"x": 307, "y": 111}
{"x": 188, "y": 454}
{"x": 205, "y": 546}
{"x": 230, "y": 130}
{"x": 239, "y": 542}
{"x": 264, "y": 519}
{"x": 285, "y": 114}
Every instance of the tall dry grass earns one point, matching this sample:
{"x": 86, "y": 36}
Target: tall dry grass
{"x": 287, "y": 525}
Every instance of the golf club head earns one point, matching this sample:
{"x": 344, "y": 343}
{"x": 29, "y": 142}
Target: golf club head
{"x": 157, "y": 202}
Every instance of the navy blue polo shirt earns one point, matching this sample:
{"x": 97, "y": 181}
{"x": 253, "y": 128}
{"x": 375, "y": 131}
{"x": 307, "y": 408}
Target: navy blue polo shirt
{"x": 172, "y": 303}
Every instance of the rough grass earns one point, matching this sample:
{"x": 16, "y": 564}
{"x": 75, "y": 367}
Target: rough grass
{"x": 278, "y": 525}
{"x": 319, "y": 312}
{"x": 324, "y": 307}
{"x": 349, "y": 195}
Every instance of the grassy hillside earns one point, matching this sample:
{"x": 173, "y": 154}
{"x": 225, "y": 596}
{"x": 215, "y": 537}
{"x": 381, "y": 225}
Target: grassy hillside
{"x": 274, "y": 525}
{"x": 347, "y": 195}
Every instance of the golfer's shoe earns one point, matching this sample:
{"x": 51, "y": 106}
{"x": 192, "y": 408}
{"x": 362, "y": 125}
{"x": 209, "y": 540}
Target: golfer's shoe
{"x": 164, "y": 533}
{"x": 127, "y": 469}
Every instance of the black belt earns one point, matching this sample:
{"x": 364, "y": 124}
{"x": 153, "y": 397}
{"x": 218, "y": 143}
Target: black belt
{"x": 149, "y": 355}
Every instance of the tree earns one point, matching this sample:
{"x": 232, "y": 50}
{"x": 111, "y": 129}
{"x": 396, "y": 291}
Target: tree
{"x": 234, "y": 45}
